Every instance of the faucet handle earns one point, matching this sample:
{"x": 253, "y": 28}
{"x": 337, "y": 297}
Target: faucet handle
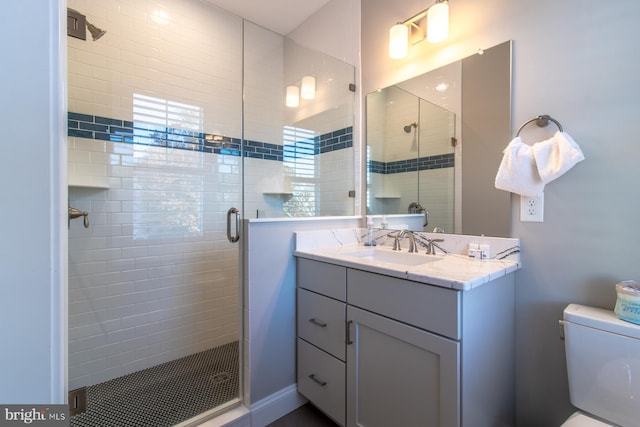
{"x": 430, "y": 245}
{"x": 396, "y": 240}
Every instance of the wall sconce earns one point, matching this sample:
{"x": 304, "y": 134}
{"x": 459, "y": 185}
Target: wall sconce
{"x": 432, "y": 24}
{"x": 292, "y": 98}
{"x": 308, "y": 87}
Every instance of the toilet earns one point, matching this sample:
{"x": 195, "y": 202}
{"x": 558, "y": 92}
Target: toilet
{"x": 603, "y": 366}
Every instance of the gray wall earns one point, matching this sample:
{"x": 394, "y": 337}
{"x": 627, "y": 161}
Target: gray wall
{"x": 577, "y": 61}
{"x": 33, "y": 187}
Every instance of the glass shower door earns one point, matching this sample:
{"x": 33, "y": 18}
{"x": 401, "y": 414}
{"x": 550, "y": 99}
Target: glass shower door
{"x": 155, "y": 159}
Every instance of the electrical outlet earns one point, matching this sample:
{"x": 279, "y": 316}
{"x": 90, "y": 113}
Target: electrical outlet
{"x": 532, "y": 208}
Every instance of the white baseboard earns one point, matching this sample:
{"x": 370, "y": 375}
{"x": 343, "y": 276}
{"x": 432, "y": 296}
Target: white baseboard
{"x": 262, "y": 413}
{"x": 276, "y": 405}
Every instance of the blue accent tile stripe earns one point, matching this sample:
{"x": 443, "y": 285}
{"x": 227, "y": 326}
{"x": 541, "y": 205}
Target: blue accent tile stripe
{"x": 439, "y": 161}
{"x": 336, "y": 140}
{"x": 116, "y": 130}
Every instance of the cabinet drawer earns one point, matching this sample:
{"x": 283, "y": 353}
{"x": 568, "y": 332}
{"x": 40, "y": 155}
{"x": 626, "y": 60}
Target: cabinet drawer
{"x": 428, "y": 307}
{"x": 325, "y": 279}
{"x": 321, "y": 321}
{"x": 321, "y": 379}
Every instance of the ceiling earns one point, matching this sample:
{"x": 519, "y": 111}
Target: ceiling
{"x": 280, "y": 16}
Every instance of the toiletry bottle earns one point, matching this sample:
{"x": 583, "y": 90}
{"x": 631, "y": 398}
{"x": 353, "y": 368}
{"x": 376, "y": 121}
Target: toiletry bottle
{"x": 370, "y": 240}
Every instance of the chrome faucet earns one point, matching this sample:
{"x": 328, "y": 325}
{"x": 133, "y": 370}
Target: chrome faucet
{"x": 413, "y": 247}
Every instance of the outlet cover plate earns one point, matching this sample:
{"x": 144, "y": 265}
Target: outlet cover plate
{"x": 532, "y": 208}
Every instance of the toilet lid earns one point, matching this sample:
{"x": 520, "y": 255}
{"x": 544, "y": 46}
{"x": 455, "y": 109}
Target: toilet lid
{"x": 580, "y": 419}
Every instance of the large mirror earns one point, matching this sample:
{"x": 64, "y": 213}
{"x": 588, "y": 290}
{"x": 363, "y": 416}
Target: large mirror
{"x": 434, "y": 144}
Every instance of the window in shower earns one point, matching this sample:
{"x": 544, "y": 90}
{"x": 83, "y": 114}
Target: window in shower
{"x": 299, "y": 161}
{"x": 168, "y": 168}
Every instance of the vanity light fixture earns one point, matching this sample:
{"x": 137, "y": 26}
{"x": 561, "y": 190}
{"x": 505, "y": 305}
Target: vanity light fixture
{"x": 398, "y": 41}
{"x": 308, "y": 87}
{"x": 438, "y": 22}
{"x": 292, "y": 98}
{"x": 432, "y": 24}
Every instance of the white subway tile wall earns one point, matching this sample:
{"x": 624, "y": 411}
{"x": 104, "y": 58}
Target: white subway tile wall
{"x": 154, "y": 278}
{"x": 337, "y": 172}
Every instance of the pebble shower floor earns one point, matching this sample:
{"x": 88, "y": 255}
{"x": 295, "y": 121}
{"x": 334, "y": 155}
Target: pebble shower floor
{"x": 164, "y": 395}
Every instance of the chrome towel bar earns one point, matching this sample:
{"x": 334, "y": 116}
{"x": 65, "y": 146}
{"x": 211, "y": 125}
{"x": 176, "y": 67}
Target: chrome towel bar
{"x": 541, "y": 121}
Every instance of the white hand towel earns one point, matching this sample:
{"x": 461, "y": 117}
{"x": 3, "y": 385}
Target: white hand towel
{"x": 556, "y": 156}
{"x": 517, "y": 172}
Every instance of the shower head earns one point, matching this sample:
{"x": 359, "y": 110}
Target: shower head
{"x": 77, "y": 26}
{"x": 96, "y": 32}
{"x": 408, "y": 128}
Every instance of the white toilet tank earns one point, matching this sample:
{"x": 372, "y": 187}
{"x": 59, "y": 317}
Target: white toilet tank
{"x": 603, "y": 363}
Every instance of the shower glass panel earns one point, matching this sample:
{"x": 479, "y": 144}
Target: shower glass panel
{"x": 435, "y": 160}
{"x": 155, "y": 159}
{"x": 299, "y": 160}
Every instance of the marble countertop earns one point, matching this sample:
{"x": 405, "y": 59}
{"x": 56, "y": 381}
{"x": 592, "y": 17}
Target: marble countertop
{"x": 454, "y": 271}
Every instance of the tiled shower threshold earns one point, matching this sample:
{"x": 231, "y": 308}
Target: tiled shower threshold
{"x": 164, "y": 395}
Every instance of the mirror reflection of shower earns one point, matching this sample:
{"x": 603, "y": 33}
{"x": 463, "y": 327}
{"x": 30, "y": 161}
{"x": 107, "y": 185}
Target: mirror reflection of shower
{"x": 408, "y": 128}
{"x": 414, "y": 141}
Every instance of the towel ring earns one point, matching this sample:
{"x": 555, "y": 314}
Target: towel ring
{"x": 541, "y": 121}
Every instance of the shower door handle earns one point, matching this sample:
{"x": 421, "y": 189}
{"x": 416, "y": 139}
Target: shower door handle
{"x": 233, "y": 239}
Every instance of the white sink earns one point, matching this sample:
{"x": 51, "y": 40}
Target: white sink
{"x": 393, "y": 257}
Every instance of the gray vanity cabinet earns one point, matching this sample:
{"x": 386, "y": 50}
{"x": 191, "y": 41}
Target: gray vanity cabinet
{"x": 408, "y": 353}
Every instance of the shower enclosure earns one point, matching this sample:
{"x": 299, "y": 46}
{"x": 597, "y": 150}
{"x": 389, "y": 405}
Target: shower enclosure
{"x": 178, "y": 129}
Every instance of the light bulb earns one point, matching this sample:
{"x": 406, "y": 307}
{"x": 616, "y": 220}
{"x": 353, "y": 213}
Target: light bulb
{"x": 438, "y": 22}
{"x": 308, "y": 87}
{"x": 293, "y": 96}
{"x": 398, "y": 41}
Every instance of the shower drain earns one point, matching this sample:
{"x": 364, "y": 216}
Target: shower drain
{"x": 220, "y": 377}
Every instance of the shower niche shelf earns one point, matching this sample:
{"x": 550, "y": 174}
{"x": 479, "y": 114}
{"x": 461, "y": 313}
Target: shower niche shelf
{"x": 282, "y": 195}
{"x": 80, "y": 182}
{"x": 387, "y": 196}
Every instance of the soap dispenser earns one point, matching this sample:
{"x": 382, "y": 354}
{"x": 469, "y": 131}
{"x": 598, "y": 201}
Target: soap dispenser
{"x": 370, "y": 240}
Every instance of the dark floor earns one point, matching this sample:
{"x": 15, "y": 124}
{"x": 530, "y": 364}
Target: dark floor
{"x": 305, "y": 416}
{"x": 164, "y": 395}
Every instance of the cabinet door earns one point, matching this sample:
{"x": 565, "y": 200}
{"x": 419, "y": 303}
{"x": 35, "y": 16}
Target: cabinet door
{"x": 398, "y": 375}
